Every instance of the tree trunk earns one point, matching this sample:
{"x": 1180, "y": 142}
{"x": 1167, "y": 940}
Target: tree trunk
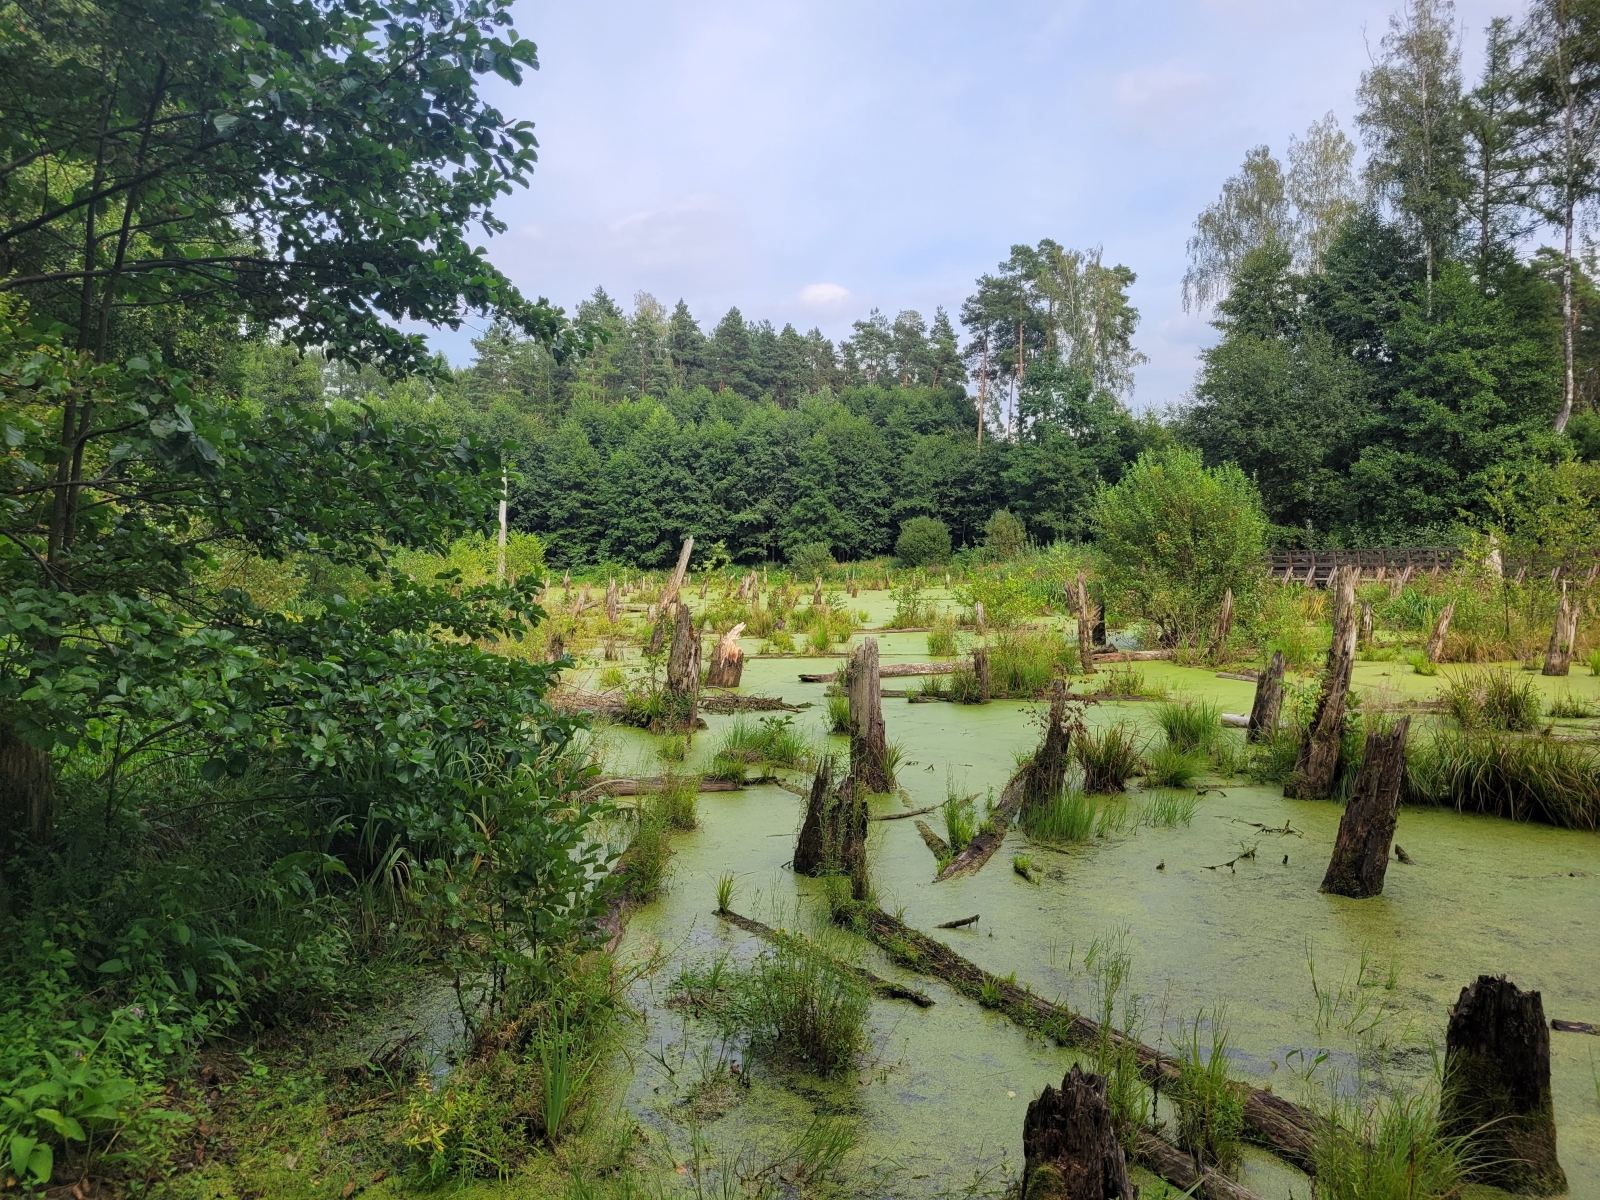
{"x": 1048, "y": 771}
{"x": 1558, "y": 656}
{"x": 868, "y": 746}
{"x": 683, "y": 674}
{"x": 1069, "y": 1148}
{"x": 977, "y": 619}
{"x": 833, "y": 836}
{"x": 1085, "y": 628}
{"x": 658, "y": 630}
{"x": 727, "y": 662}
{"x": 1269, "y": 701}
{"x": 980, "y": 668}
{"x": 1441, "y": 628}
{"x": 27, "y": 789}
{"x": 1361, "y": 852}
{"x": 1317, "y": 764}
{"x": 671, "y": 594}
{"x": 1219, "y": 639}
{"x": 613, "y": 602}
{"x": 816, "y": 593}
{"x": 1365, "y": 636}
{"x": 1497, "y": 1088}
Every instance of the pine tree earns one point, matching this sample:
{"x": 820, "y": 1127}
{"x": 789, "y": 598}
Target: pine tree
{"x": 785, "y": 367}
{"x": 730, "y": 357}
{"x": 686, "y": 348}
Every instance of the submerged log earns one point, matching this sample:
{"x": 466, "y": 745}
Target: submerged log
{"x": 1496, "y": 1091}
{"x": 980, "y": 668}
{"x": 1558, "y": 656}
{"x": 1085, "y": 628}
{"x": 649, "y": 784}
{"x": 883, "y": 987}
{"x": 869, "y": 748}
{"x": 1160, "y": 1157}
{"x": 683, "y": 674}
{"x": 727, "y": 661}
{"x": 1441, "y": 628}
{"x": 1269, "y": 701}
{"x": 1317, "y": 763}
{"x": 1361, "y": 851}
{"x": 889, "y": 671}
{"x": 1069, "y": 1146}
{"x": 982, "y": 847}
{"x": 937, "y": 846}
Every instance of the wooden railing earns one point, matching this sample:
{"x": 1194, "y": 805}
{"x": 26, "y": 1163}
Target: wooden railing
{"x": 1314, "y": 567}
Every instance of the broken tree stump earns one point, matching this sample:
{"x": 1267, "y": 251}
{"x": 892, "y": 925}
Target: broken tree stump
{"x": 1048, "y": 771}
{"x": 1364, "y": 636}
{"x": 978, "y": 623}
{"x": 980, "y": 668}
{"x": 1219, "y": 637}
{"x": 1085, "y": 628}
{"x": 1496, "y": 1093}
{"x": 1441, "y": 627}
{"x": 1269, "y": 701}
{"x": 868, "y": 746}
{"x": 1069, "y": 1146}
{"x": 683, "y": 675}
{"x": 1317, "y": 763}
{"x": 613, "y": 601}
{"x": 1361, "y": 851}
{"x": 1558, "y": 657}
{"x": 833, "y": 835}
{"x": 676, "y": 582}
{"x": 727, "y": 660}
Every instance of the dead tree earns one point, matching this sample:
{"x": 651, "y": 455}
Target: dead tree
{"x": 868, "y": 746}
{"x": 683, "y": 674}
{"x": 816, "y": 592}
{"x": 613, "y": 601}
{"x": 978, "y": 622}
{"x": 1317, "y": 763}
{"x": 1441, "y": 628}
{"x": 1070, "y": 1149}
{"x": 1219, "y": 638}
{"x": 1085, "y": 628}
{"x": 1558, "y": 657}
{"x": 671, "y": 594}
{"x": 1366, "y": 830}
{"x": 1496, "y": 1093}
{"x": 1269, "y": 701}
{"x": 833, "y": 835}
{"x": 1365, "y": 635}
{"x": 980, "y": 668}
{"x": 727, "y": 661}
{"x": 1048, "y": 770}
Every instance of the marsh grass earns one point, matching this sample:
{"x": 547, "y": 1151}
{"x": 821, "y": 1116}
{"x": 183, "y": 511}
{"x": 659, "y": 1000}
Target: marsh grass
{"x": 1192, "y": 726}
{"x": 1506, "y": 775}
{"x": 797, "y": 1003}
{"x": 960, "y": 820}
{"x": 1570, "y": 707}
{"x": 839, "y": 712}
{"x": 942, "y": 638}
{"x": 1130, "y": 681}
{"x": 1065, "y": 819}
{"x": 964, "y": 684}
{"x": 1109, "y": 758}
{"x": 612, "y": 677}
{"x": 1388, "y": 1149}
{"x": 770, "y": 742}
{"x": 1272, "y": 759}
{"x": 1594, "y": 662}
{"x": 678, "y": 801}
{"x": 1493, "y": 700}
{"x": 725, "y": 891}
{"x": 1022, "y": 864}
{"x": 1168, "y": 809}
{"x": 1421, "y": 665}
{"x": 647, "y": 860}
{"x": 1167, "y": 767}
{"x": 673, "y": 749}
{"x": 934, "y": 687}
{"x": 1109, "y": 964}
{"x": 1210, "y": 1105}
{"x": 1022, "y": 662}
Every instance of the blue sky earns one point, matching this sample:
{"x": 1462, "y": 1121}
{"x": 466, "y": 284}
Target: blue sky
{"x": 809, "y": 161}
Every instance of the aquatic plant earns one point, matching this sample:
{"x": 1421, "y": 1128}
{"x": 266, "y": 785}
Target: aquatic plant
{"x": 1129, "y": 681}
{"x": 797, "y": 1002}
{"x": 893, "y": 754}
{"x": 725, "y": 891}
{"x": 1388, "y": 1149}
{"x": 1169, "y": 767}
{"x": 1594, "y": 661}
{"x": 1210, "y": 1105}
{"x": 1022, "y": 663}
{"x": 1063, "y": 819}
{"x": 1168, "y": 809}
{"x": 960, "y": 821}
{"x": 1109, "y": 757}
{"x": 563, "y": 1069}
{"x": 612, "y": 677}
{"x": 838, "y": 712}
{"x": 673, "y": 749}
{"x": 942, "y": 637}
{"x": 677, "y": 801}
{"x": 1570, "y": 707}
{"x": 771, "y": 742}
{"x": 1506, "y": 775}
{"x": 646, "y": 860}
{"x": 1422, "y": 664}
{"x": 1022, "y": 864}
{"x": 1109, "y": 964}
{"x": 934, "y": 687}
{"x": 912, "y": 610}
{"x": 1272, "y": 759}
{"x": 1190, "y": 725}
{"x": 1493, "y": 700}
{"x": 964, "y": 684}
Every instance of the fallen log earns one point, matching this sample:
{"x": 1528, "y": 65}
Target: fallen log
{"x": 726, "y": 702}
{"x": 960, "y": 923}
{"x": 1575, "y": 1027}
{"x": 643, "y": 786}
{"x": 982, "y": 847}
{"x": 1280, "y": 1125}
{"x": 1242, "y": 676}
{"x": 1160, "y": 1157}
{"x": 901, "y": 816}
{"x": 937, "y": 846}
{"x": 1119, "y": 656}
{"x": 883, "y": 987}
{"x": 888, "y": 671}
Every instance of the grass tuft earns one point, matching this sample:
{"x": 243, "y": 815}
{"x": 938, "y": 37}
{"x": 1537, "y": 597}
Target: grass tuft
{"x": 1506, "y": 775}
{"x": 1168, "y": 809}
{"x": 1191, "y": 726}
{"x": 1065, "y": 819}
{"x": 1171, "y": 768}
{"x": 1493, "y": 700}
{"x": 942, "y": 638}
{"x": 1210, "y": 1105}
{"x": 1109, "y": 758}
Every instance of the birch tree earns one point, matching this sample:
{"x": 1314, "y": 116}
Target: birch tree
{"x": 1252, "y": 211}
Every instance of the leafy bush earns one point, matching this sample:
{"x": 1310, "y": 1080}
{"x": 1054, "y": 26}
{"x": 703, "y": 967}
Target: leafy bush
{"x": 923, "y": 540}
{"x": 1004, "y": 536}
{"x": 810, "y": 559}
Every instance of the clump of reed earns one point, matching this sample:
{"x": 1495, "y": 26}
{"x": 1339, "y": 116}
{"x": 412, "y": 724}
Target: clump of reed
{"x": 934, "y": 687}
{"x": 1493, "y": 700}
{"x": 1129, "y": 681}
{"x": 1064, "y": 819}
{"x": 1168, "y": 809}
{"x": 1506, "y": 775}
{"x": 964, "y": 687}
{"x": 838, "y": 712}
{"x": 678, "y": 801}
{"x": 1272, "y": 759}
{"x": 771, "y": 742}
{"x": 1210, "y": 1105}
{"x": 647, "y": 860}
{"x": 1594, "y": 662}
{"x": 960, "y": 820}
{"x": 1168, "y": 767}
{"x": 1109, "y": 964}
{"x": 942, "y": 637}
{"x": 1023, "y": 662}
{"x": 1192, "y": 726}
{"x": 1570, "y": 707}
{"x": 673, "y": 749}
{"x": 1109, "y": 757}
{"x": 1392, "y": 1149}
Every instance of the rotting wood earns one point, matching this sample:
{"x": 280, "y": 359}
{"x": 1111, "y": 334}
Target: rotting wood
{"x": 1160, "y": 1157}
{"x": 727, "y": 660}
{"x": 1070, "y": 1149}
{"x": 1441, "y": 629}
{"x": 833, "y": 835}
{"x": 1366, "y": 829}
{"x": 980, "y": 668}
{"x": 1241, "y": 676}
{"x": 682, "y": 693}
{"x": 1575, "y": 1027}
{"x": 1317, "y": 762}
{"x": 628, "y": 785}
{"x": 1280, "y": 1125}
{"x": 983, "y": 845}
{"x": 1124, "y": 656}
{"x": 613, "y": 601}
{"x": 877, "y": 983}
{"x": 887, "y": 671}
{"x": 1364, "y": 632}
{"x": 902, "y": 816}
{"x": 726, "y": 702}
{"x": 937, "y": 846}
{"x": 1496, "y": 1094}
{"x": 1269, "y": 700}
{"x": 869, "y": 747}
{"x": 671, "y": 594}
{"x": 1219, "y": 637}
{"x": 960, "y": 923}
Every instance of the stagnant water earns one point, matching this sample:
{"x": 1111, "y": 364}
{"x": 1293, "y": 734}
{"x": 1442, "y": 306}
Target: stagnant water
{"x": 939, "y": 1106}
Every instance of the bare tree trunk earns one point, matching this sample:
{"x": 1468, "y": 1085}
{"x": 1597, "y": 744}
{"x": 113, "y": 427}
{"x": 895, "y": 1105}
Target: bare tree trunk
{"x": 978, "y": 618}
{"x": 613, "y": 601}
{"x": 683, "y": 674}
{"x": 1496, "y": 1091}
{"x": 1085, "y": 628}
{"x": 868, "y": 745}
{"x": 1441, "y": 629}
{"x": 980, "y": 668}
{"x": 1317, "y": 764}
{"x": 1558, "y": 656}
{"x": 1219, "y": 639}
{"x": 671, "y": 594}
{"x": 1069, "y": 1147}
{"x": 1269, "y": 701}
{"x": 1365, "y": 636}
{"x": 833, "y": 835}
{"x": 27, "y": 787}
{"x": 1361, "y": 852}
{"x": 1048, "y": 771}
{"x": 816, "y": 592}
{"x": 727, "y": 662}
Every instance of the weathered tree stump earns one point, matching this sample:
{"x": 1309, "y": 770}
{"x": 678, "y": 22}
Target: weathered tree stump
{"x": 683, "y": 674}
{"x": 1219, "y": 637}
{"x": 980, "y": 668}
{"x": 1365, "y": 634}
{"x": 833, "y": 836}
{"x": 676, "y": 582}
{"x": 613, "y": 602}
{"x": 978, "y": 622}
{"x": 1085, "y": 628}
{"x": 816, "y": 592}
{"x": 1361, "y": 851}
{"x": 1317, "y": 763}
{"x": 868, "y": 744}
{"x": 1269, "y": 701}
{"x": 1496, "y": 1091}
{"x": 1048, "y": 770}
{"x": 1069, "y": 1148}
{"x": 727, "y": 661}
{"x": 1558, "y": 656}
{"x": 1441, "y": 628}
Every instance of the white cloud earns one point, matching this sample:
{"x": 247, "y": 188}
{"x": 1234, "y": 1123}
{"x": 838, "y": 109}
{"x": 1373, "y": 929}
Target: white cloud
{"x": 1164, "y": 101}
{"x": 823, "y": 295}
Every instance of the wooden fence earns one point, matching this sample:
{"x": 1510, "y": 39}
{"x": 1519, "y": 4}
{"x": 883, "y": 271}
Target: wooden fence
{"x": 1314, "y": 567}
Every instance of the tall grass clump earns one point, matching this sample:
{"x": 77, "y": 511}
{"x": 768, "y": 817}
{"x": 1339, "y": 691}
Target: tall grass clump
{"x": 960, "y": 821}
{"x": 1109, "y": 758}
{"x": 1168, "y": 810}
{"x": 964, "y": 684}
{"x": 1506, "y": 775}
{"x": 1210, "y": 1105}
{"x": 1168, "y": 767}
{"x": 1272, "y": 759}
{"x": 1493, "y": 700}
{"x": 1391, "y": 1150}
{"x": 839, "y": 712}
{"x": 1064, "y": 819}
{"x": 942, "y": 637}
{"x": 771, "y": 742}
{"x": 1130, "y": 681}
{"x": 677, "y": 800}
{"x": 1022, "y": 663}
{"x": 1191, "y": 725}
{"x": 1109, "y": 964}
{"x": 799, "y": 1003}
{"x": 646, "y": 861}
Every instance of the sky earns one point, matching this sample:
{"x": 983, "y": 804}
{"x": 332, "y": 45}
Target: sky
{"x": 808, "y": 162}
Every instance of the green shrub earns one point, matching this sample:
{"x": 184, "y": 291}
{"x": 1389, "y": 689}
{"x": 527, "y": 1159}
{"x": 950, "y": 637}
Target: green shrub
{"x": 942, "y": 637}
{"x": 1004, "y": 536}
{"x": 1191, "y": 726}
{"x": 923, "y": 540}
{"x": 1109, "y": 757}
{"x": 810, "y": 559}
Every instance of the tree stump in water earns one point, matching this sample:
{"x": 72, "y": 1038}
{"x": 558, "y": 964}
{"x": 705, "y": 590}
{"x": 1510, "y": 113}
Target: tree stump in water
{"x": 1069, "y": 1148}
{"x": 683, "y": 674}
{"x": 1441, "y": 628}
{"x": 980, "y": 668}
{"x": 1361, "y": 852}
{"x": 1085, "y": 628}
{"x": 658, "y": 630}
{"x": 1269, "y": 701}
{"x": 1365, "y": 634}
{"x": 727, "y": 661}
{"x": 816, "y": 592}
{"x": 1317, "y": 763}
{"x": 868, "y": 745}
{"x": 833, "y": 836}
{"x": 613, "y": 602}
{"x": 977, "y": 618}
{"x": 1219, "y": 638}
{"x": 1496, "y": 1092}
{"x": 1048, "y": 770}
{"x": 678, "y": 572}
{"x": 1558, "y": 657}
